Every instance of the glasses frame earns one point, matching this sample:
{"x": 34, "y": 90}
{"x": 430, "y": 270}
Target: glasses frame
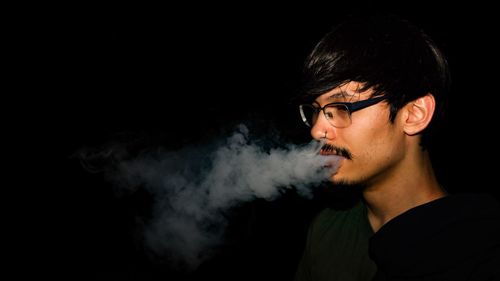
{"x": 351, "y": 107}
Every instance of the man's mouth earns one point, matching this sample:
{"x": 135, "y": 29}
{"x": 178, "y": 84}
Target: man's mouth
{"x": 328, "y": 149}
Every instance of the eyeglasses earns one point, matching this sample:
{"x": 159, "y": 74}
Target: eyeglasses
{"x": 338, "y": 114}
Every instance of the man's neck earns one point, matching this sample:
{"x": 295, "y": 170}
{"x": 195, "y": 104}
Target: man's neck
{"x": 401, "y": 191}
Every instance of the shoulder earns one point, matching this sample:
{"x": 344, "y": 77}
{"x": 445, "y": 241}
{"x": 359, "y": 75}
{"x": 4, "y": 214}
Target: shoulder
{"x": 453, "y": 210}
{"x": 331, "y": 220}
{"x": 455, "y": 217}
{"x": 453, "y": 235}
{"x": 480, "y": 202}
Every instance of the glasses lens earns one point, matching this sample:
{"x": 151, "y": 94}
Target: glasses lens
{"x": 309, "y": 114}
{"x": 338, "y": 115}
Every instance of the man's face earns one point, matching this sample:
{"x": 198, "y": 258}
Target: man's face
{"x": 371, "y": 145}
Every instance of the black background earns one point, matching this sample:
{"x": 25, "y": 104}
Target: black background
{"x": 173, "y": 75}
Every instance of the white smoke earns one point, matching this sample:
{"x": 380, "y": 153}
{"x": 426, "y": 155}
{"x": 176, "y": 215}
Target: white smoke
{"x": 194, "y": 187}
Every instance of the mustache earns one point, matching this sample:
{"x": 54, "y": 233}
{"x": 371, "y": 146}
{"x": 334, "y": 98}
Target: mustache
{"x": 338, "y": 150}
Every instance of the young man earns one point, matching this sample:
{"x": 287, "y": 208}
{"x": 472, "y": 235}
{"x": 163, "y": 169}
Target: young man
{"x": 374, "y": 88}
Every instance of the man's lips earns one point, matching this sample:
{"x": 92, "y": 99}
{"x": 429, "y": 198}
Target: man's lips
{"x": 332, "y": 150}
{"x": 329, "y": 152}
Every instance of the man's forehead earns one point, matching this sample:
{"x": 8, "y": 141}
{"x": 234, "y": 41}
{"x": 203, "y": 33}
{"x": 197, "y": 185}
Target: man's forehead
{"x": 347, "y": 91}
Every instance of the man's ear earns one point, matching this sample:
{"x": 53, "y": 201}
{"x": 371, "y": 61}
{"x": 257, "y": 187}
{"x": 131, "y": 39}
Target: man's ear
{"x": 418, "y": 114}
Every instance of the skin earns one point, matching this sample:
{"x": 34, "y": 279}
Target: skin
{"x": 386, "y": 156}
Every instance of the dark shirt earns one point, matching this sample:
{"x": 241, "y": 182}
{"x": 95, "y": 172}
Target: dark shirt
{"x": 453, "y": 238}
{"x": 337, "y": 247}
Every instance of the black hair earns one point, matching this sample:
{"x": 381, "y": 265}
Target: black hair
{"x": 384, "y": 52}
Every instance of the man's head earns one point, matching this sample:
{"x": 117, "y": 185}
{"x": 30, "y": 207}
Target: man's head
{"x": 388, "y": 54}
{"x": 375, "y": 83}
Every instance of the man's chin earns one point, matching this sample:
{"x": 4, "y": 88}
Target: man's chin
{"x": 338, "y": 180}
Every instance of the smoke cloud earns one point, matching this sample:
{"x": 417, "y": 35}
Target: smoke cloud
{"x": 194, "y": 188}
